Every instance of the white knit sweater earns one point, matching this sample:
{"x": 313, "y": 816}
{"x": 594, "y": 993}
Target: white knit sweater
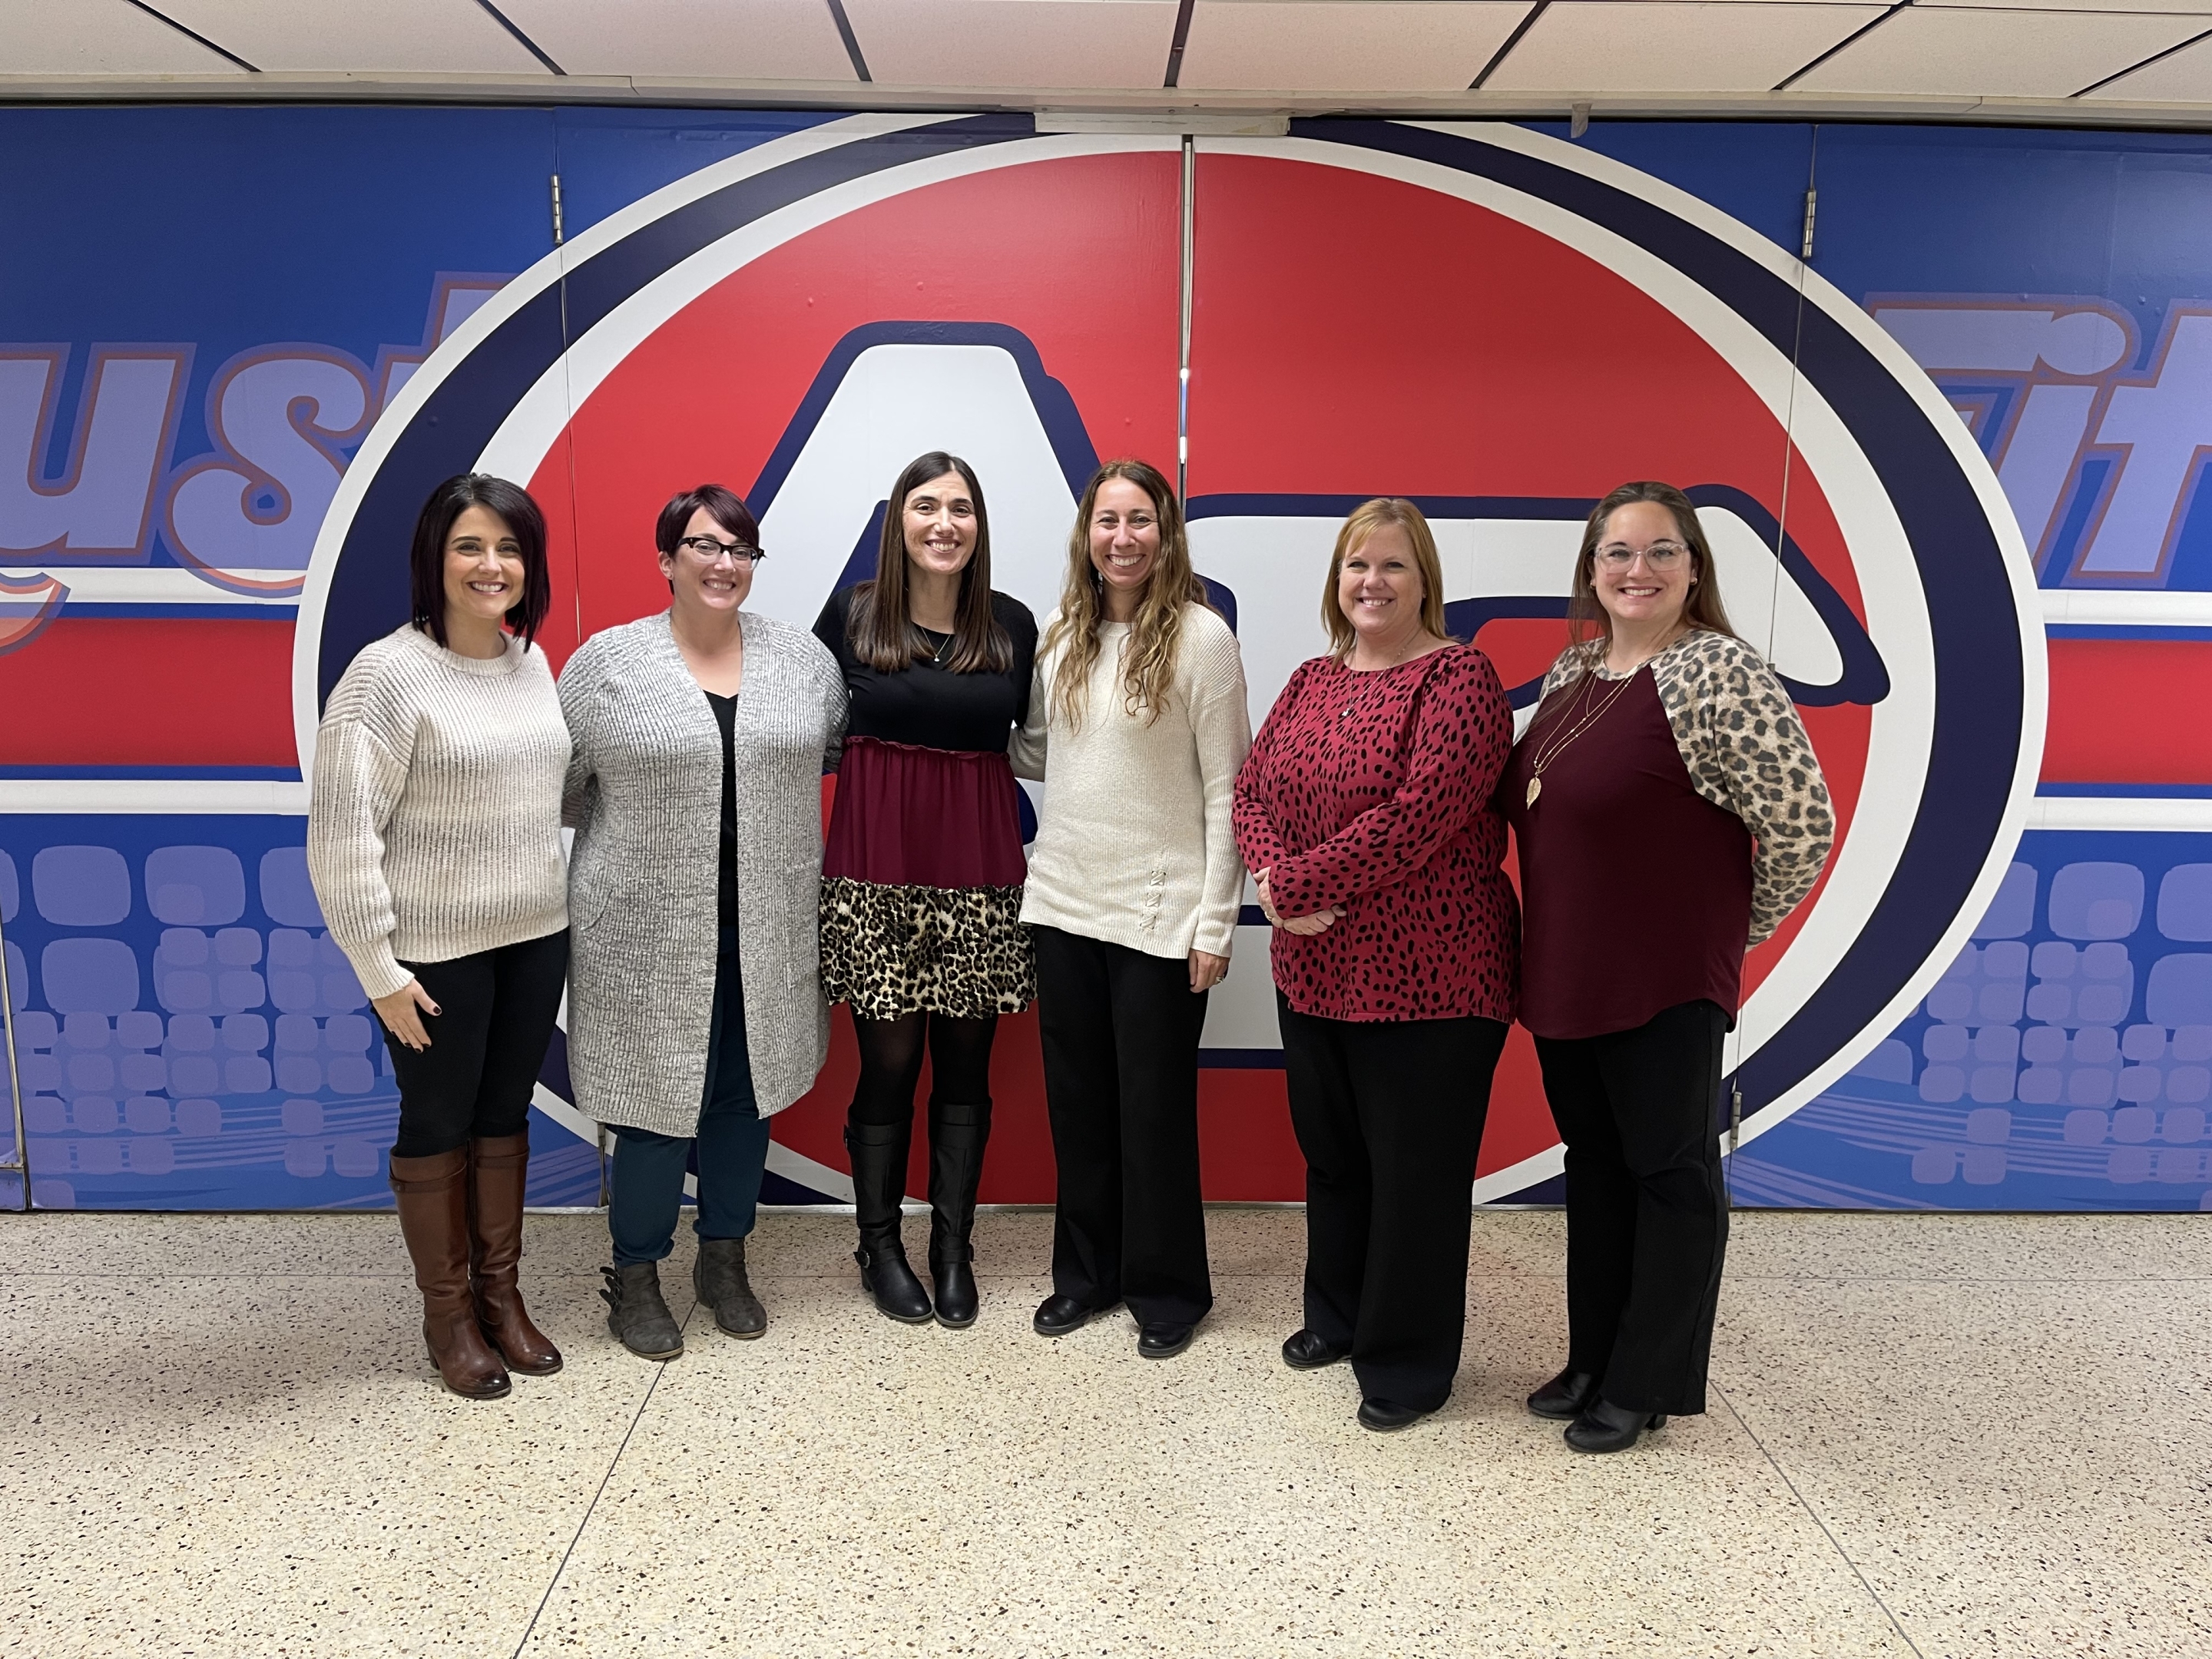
{"x": 1134, "y": 845}
{"x": 434, "y": 825}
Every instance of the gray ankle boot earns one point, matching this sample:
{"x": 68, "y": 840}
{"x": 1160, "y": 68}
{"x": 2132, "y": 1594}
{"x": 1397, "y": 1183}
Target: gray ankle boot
{"x": 636, "y": 1314}
{"x": 719, "y": 1277}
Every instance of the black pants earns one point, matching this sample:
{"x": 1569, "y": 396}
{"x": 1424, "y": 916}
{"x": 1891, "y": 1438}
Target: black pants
{"x": 1119, "y": 1030}
{"x": 487, "y": 1041}
{"x": 1647, "y": 1211}
{"x": 1389, "y": 1114}
{"x": 727, "y": 1149}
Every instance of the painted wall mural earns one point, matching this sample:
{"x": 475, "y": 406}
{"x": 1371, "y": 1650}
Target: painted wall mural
{"x": 1949, "y": 466}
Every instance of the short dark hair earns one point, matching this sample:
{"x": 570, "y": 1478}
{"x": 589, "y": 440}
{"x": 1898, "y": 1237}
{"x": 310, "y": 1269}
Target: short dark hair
{"x": 726, "y": 507}
{"x": 427, "y": 563}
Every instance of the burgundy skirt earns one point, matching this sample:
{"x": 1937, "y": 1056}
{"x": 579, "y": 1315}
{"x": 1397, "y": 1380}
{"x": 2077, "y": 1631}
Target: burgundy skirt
{"x": 921, "y": 888}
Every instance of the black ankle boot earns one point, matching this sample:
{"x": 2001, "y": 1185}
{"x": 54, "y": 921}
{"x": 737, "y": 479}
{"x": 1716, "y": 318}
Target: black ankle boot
{"x": 957, "y": 1134}
{"x": 877, "y": 1152}
{"x": 1564, "y": 1397}
{"x": 1606, "y": 1427}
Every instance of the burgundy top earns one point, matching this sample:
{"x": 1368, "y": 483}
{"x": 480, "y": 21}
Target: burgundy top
{"x": 1636, "y": 889}
{"x": 1371, "y": 791}
{"x": 907, "y": 816}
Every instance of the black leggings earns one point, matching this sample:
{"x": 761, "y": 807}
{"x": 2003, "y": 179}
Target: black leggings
{"x": 891, "y": 1063}
{"x": 487, "y": 1041}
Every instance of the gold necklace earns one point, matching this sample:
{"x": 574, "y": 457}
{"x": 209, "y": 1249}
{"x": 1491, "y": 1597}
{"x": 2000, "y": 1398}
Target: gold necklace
{"x": 1358, "y": 695}
{"x": 1545, "y": 753}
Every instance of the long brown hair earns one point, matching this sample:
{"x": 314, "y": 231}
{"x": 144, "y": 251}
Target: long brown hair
{"x": 1588, "y": 621}
{"x": 877, "y": 619}
{"x": 1366, "y": 519}
{"x": 1148, "y": 658}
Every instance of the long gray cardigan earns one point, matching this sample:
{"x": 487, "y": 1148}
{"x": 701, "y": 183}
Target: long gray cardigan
{"x": 645, "y": 793}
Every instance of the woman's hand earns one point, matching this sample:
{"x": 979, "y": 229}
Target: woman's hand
{"x": 398, "y": 1012}
{"x": 1303, "y": 927}
{"x": 1206, "y": 970}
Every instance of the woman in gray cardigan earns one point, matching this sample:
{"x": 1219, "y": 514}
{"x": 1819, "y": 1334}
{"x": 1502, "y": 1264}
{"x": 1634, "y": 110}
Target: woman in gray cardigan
{"x": 694, "y": 997}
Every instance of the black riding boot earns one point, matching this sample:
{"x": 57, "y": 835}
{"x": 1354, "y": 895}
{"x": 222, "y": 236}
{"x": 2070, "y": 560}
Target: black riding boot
{"x": 878, "y": 1152}
{"x": 957, "y": 1134}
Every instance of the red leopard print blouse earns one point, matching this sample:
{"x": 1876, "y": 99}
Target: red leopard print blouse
{"x": 1371, "y": 791}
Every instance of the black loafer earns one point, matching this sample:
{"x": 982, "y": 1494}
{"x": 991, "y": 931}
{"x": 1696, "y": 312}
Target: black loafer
{"x": 1305, "y": 1352}
{"x": 1165, "y": 1341}
{"x": 1387, "y": 1416}
{"x": 1606, "y": 1427}
{"x": 1563, "y": 1397}
{"x": 1056, "y": 1316}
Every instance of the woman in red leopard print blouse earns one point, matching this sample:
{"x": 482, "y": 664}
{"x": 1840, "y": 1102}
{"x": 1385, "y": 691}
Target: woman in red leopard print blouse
{"x": 1364, "y": 813}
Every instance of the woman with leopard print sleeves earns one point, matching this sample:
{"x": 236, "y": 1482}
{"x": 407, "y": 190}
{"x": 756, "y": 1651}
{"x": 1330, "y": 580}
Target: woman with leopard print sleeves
{"x": 1364, "y": 812}
{"x": 921, "y": 890}
{"x": 1669, "y": 813}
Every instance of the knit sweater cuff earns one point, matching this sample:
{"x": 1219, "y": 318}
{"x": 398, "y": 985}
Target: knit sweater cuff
{"x": 375, "y": 966}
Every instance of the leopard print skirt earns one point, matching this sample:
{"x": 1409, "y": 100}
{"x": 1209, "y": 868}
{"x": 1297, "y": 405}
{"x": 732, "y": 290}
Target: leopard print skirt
{"x": 960, "y": 952}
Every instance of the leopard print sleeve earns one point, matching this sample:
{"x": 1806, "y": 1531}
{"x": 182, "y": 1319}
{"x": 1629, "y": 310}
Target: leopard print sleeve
{"x": 1747, "y": 752}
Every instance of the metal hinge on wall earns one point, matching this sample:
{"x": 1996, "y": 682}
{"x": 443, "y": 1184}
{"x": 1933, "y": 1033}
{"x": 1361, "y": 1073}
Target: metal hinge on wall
{"x": 1805, "y": 249}
{"x": 557, "y": 211}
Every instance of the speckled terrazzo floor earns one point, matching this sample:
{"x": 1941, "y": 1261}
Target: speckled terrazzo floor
{"x": 1931, "y": 1434}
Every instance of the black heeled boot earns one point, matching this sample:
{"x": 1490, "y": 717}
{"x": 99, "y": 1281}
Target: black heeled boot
{"x": 877, "y": 1152}
{"x": 957, "y": 1134}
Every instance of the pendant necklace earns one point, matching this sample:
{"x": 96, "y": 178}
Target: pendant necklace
{"x": 1548, "y": 751}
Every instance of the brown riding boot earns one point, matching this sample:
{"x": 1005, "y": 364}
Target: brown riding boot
{"x": 501, "y": 1165}
{"x": 434, "y": 1218}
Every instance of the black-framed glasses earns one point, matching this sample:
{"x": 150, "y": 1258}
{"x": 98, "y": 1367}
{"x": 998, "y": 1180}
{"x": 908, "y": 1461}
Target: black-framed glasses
{"x": 1660, "y": 556}
{"x": 707, "y": 550}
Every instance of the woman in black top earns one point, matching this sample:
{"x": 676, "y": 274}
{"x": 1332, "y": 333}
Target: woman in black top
{"x": 921, "y": 890}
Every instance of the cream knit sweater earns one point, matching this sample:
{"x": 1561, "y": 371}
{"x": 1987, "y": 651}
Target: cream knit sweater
{"x": 1134, "y": 844}
{"x": 434, "y": 825}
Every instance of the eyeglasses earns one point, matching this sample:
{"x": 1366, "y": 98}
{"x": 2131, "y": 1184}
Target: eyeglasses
{"x": 1660, "y": 556}
{"x": 708, "y": 550}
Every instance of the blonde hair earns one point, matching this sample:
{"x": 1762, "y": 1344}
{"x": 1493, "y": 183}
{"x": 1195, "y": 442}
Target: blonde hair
{"x": 1148, "y": 658}
{"x": 1366, "y": 519}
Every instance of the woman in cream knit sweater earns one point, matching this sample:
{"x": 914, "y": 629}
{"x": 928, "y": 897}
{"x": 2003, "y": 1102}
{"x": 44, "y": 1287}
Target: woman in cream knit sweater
{"x": 434, "y": 838}
{"x": 1137, "y": 723}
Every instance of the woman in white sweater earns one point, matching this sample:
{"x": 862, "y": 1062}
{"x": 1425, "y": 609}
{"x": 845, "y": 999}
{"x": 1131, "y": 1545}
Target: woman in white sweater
{"x": 1133, "y": 888}
{"x": 434, "y": 838}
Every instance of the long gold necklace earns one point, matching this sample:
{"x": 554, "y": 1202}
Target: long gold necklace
{"x": 1551, "y": 750}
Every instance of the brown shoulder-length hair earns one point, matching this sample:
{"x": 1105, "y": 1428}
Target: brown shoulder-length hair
{"x": 426, "y": 561}
{"x": 1588, "y": 620}
{"x": 878, "y": 620}
{"x": 1148, "y": 660}
{"x": 1366, "y": 519}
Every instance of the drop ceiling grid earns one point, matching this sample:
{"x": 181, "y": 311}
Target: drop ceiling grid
{"x": 1673, "y": 46}
{"x": 1997, "y": 54}
{"x": 425, "y": 37}
{"x": 706, "y": 39}
{"x": 1082, "y": 44}
{"x": 98, "y": 37}
{"x": 1344, "y": 46}
{"x": 2186, "y": 78}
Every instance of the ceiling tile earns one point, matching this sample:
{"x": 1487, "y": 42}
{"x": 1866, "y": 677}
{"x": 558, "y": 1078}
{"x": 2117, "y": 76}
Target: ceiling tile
{"x": 417, "y": 36}
{"x": 1994, "y": 54}
{"x": 708, "y": 39}
{"x": 98, "y": 37}
{"x": 2197, "y": 7}
{"x": 1038, "y": 44}
{"x": 1343, "y": 45}
{"x": 2183, "y": 78}
{"x": 1735, "y": 46}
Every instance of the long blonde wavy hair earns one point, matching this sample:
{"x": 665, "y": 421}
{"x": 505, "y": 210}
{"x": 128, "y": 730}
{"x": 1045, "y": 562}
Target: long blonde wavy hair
{"x": 1148, "y": 659}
